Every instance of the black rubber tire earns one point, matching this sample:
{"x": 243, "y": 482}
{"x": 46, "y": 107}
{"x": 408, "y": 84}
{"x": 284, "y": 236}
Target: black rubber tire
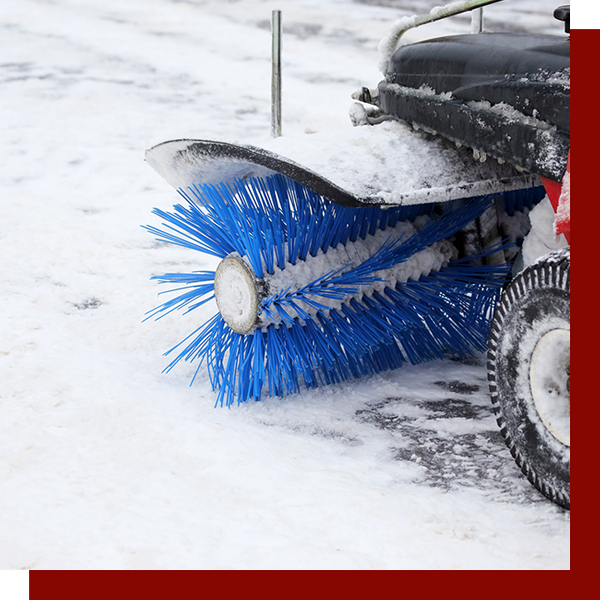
{"x": 535, "y": 302}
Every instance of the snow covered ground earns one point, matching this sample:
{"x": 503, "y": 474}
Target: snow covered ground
{"x": 107, "y": 463}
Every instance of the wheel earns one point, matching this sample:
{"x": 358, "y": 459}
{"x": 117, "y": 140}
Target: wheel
{"x": 529, "y": 373}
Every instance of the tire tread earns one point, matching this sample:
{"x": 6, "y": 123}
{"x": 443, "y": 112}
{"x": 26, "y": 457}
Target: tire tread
{"x": 555, "y": 271}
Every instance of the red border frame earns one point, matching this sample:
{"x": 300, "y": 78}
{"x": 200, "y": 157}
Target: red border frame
{"x": 114, "y": 585}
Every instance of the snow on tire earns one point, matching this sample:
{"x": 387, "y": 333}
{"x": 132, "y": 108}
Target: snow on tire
{"x": 529, "y": 373}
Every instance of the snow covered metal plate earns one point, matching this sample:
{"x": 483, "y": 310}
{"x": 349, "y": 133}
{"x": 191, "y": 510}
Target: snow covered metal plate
{"x": 386, "y": 164}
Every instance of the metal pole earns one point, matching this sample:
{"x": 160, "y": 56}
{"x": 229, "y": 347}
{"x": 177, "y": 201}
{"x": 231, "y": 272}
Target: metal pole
{"x": 276, "y": 74}
{"x": 477, "y": 20}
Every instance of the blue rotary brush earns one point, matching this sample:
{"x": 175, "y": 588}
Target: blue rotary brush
{"x": 312, "y": 293}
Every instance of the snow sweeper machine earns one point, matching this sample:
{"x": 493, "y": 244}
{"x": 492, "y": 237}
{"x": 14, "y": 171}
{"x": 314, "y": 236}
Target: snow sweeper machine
{"x": 438, "y": 226}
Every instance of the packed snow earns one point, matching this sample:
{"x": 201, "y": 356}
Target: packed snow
{"x": 106, "y": 463}
{"x": 344, "y": 257}
{"x": 542, "y": 238}
{"x": 392, "y": 163}
{"x": 431, "y": 169}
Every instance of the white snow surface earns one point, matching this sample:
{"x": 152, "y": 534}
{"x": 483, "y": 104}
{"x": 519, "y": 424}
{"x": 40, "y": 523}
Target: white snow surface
{"x": 105, "y": 463}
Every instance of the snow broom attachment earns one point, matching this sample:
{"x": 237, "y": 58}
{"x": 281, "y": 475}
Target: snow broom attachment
{"x": 311, "y": 293}
{"x": 335, "y": 257}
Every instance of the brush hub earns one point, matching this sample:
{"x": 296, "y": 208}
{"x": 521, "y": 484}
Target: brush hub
{"x": 237, "y": 293}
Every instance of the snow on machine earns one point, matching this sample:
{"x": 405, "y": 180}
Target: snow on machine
{"x": 438, "y": 226}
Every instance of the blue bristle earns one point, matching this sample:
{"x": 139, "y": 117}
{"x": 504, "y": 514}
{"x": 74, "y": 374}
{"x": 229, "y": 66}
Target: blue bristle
{"x": 193, "y": 291}
{"x": 273, "y": 222}
{"x": 519, "y": 200}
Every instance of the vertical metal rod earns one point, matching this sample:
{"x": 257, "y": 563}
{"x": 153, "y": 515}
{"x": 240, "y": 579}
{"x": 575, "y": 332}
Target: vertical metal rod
{"x": 477, "y": 20}
{"x": 276, "y": 74}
